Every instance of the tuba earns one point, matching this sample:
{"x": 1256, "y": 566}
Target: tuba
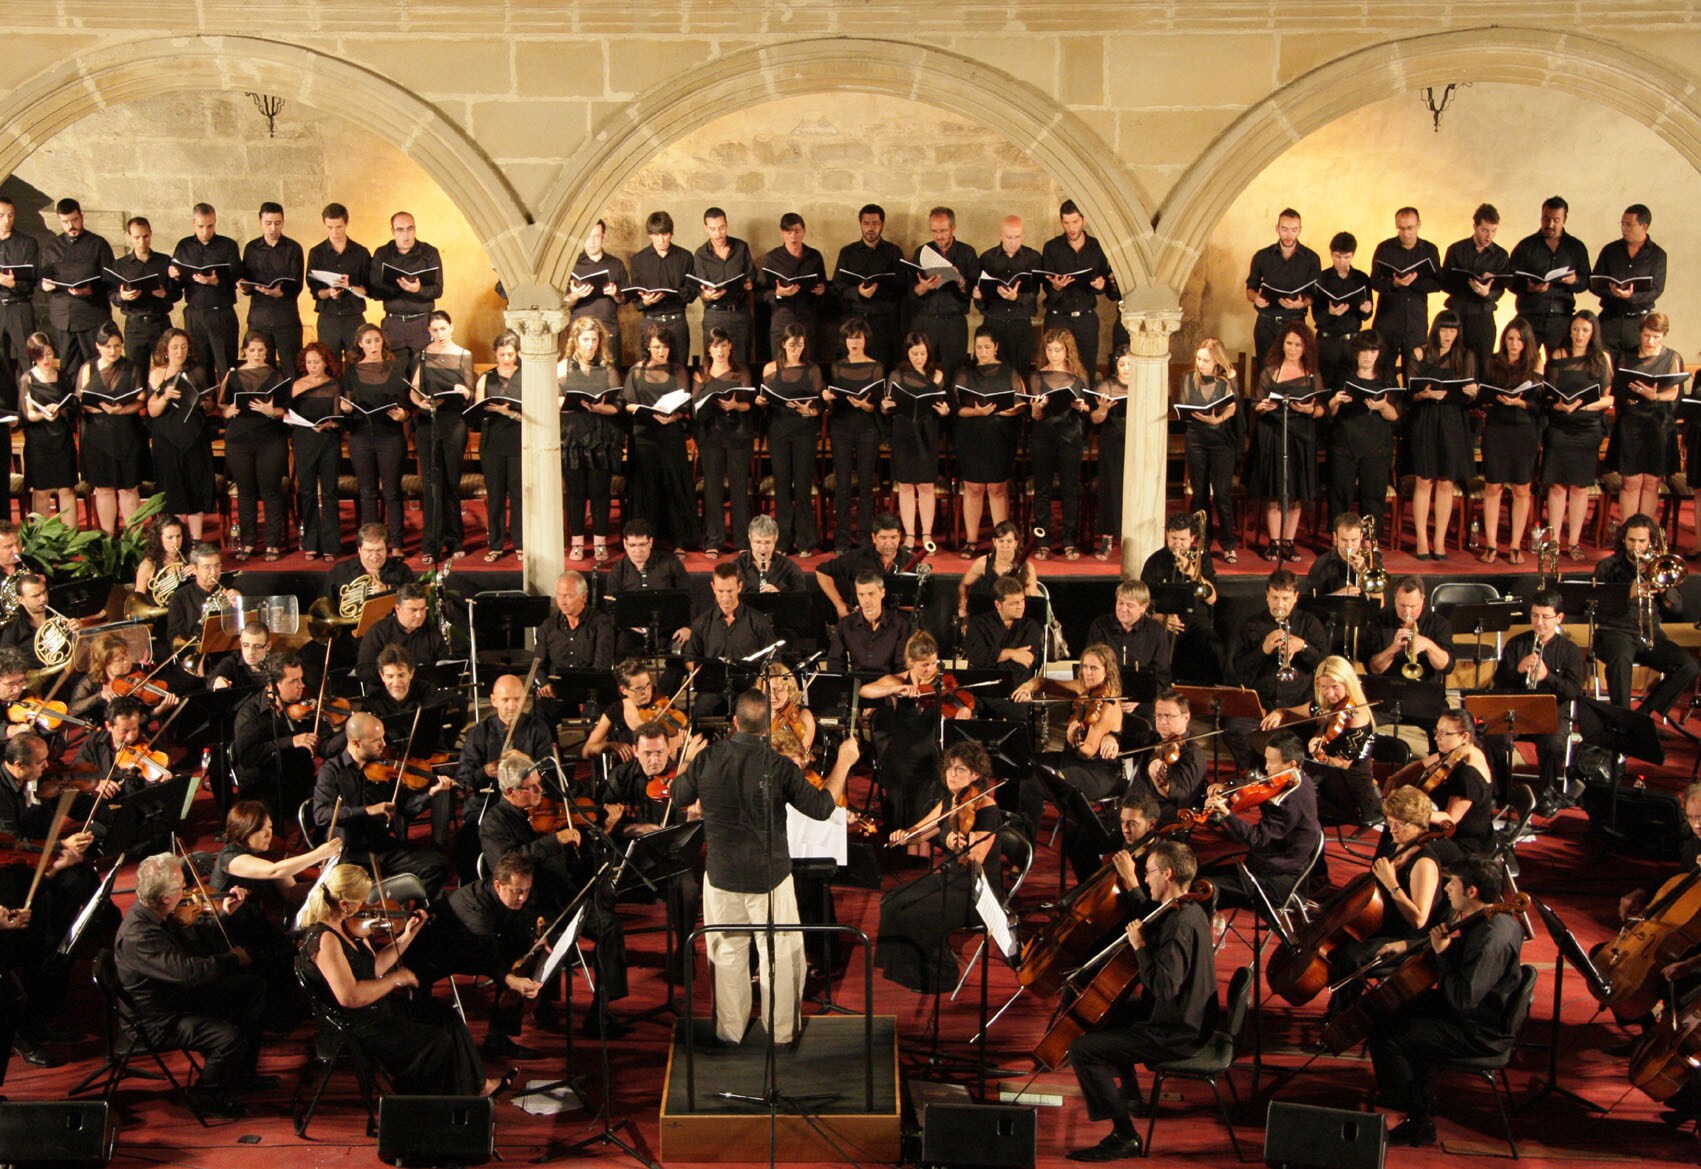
{"x": 55, "y": 640}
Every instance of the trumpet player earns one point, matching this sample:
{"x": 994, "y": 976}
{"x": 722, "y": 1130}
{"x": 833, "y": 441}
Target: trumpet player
{"x": 1635, "y": 636}
{"x": 1275, "y": 653}
{"x": 1181, "y": 561}
{"x": 1542, "y": 661}
{"x": 1339, "y": 572}
{"x": 1409, "y": 639}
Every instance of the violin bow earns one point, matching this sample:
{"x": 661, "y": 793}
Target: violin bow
{"x": 407, "y": 750}
{"x": 100, "y": 799}
{"x": 58, "y": 823}
{"x": 910, "y": 834}
{"x": 531, "y": 676}
{"x": 324, "y": 679}
{"x": 201, "y": 886}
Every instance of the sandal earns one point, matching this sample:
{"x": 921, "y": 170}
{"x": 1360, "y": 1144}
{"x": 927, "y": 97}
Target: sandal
{"x": 271, "y": 554}
{"x": 427, "y": 558}
{"x": 1070, "y": 552}
{"x": 600, "y": 553}
{"x": 1515, "y": 556}
{"x": 1231, "y": 557}
{"x": 311, "y": 555}
{"x": 1103, "y": 552}
{"x": 492, "y": 556}
{"x": 1490, "y": 555}
{"x": 1042, "y": 553}
{"x": 1577, "y": 553}
{"x": 457, "y": 554}
{"x": 577, "y": 552}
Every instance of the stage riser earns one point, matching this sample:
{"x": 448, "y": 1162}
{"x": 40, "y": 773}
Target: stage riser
{"x": 724, "y": 1139}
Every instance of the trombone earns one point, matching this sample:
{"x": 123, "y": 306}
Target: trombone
{"x": 1656, "y": 571}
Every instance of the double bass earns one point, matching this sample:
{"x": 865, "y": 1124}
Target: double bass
{"x": 1117, "y": 973}
{"x": 1300, "y": 970}
{"x": 1667, "y": 930}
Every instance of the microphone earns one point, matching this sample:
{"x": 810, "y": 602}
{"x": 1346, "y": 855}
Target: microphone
{"x": 811, "y": 660}
{"x": 764, "y": 651}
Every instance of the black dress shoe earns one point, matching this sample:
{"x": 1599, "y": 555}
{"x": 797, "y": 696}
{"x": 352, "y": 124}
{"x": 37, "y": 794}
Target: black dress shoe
{"x": 1626, "y": 1047}
{"x": 548, "y": 1017}
{"x": 1413, "y": 1133}
{"x": 606, "y": 1024}
{"x": 502, "y": 1047}
{"x": 34, "y": 1054}
{"x": 1112, "y": 1148}
{"x": 213, "y": 1102}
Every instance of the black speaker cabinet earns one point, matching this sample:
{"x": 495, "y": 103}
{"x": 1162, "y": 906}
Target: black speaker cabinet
{"x": 71, "y": 1132}
{"x": 419, "y": 1131}
{"x": 1300, "y": 1136}
{"x": 998, "y": 1136}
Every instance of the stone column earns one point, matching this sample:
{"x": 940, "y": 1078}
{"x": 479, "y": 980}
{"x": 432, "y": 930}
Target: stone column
{"x": 1151, "y": 316}
{"x": 535, "y": 313}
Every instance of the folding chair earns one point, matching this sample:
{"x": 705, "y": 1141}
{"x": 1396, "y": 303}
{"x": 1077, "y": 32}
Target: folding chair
{"x": 125, "y": 1040}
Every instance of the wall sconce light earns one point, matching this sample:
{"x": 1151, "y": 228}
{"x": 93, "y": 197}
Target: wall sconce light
{"x": 270, "y": 107}
{"x": 1437, "y": 108}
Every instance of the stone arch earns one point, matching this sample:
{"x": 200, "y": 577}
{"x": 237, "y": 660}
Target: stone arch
{"x": 47, "y": 103}
{"x": 1056, "y": 139}
{"x": 1644, "y": 88}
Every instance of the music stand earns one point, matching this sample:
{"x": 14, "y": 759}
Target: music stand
{"x": 1009, "y": 744}
{"x": 793, "y": 613}
{"x": 1174, "y": 600}
{"x": 657, "y": 612}
{"x": 502, "y": 618}
{"x": 141, "y": 819}
{"x": 1078, "y": 815}
{"x": 1406, "y": 700}
{"x": 1343, "y": 613}
{"x": 653, "y": 860}
{"x": 1494, "y": 617}
{"x": 1594, "y": 600}
{"x": 1037, "y": 608}
{"x": 1516, "y": 714}
{"x": 1222, "y": 702}
{"x": 1571, "y": 953}
{"x": 208, "y": 720}
{"x": 214, "y": 639}
{"x": 728, "y": 679}
{"x": 577, "y": 689}
{"x": 1622, "y": 734}
{"x": 80, "y": 598}
{"x": 833, "y": 697}
{"x": 1138, "y": 685}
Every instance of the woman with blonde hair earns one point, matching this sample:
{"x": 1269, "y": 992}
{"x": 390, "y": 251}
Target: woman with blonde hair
{"x": 592, "y": 437}
{"x": 1092, "y": 739}
{"x": 785, "y": 705}
{"x": 426, "y": 1050}
{"x": 1339, "y": 747}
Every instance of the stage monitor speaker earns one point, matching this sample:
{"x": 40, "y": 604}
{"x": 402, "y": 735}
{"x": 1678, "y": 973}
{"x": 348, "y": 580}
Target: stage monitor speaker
{"x": 420, "y": 1131}
{"x": 60, "y": 1133}
{"x": 998, "y": 1136}
{"x": 1300, "y": 1136}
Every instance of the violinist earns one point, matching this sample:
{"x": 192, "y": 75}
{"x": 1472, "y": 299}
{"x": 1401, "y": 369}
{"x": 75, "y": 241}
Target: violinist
{"x": 406, "y": 626}
{"x": 1463, "y": 1016}
{"x": 112, "y": 672}
{"x": 1411, "y": 880}
{"x": 1280, "y": 842}
{"x": 14, "y": 687}
{"x": 1171, "y": 1019}
{"x": 1139, "y": 639}
{"x": 731, "y": 632}
{"x": 367, "y": 819}
{"x": 1282, "y": 636}
{"x": 1089, "y": 760}
{"x": 1198, "y": 646}
{"x": 246, "y": 667}
{"x": 1406, "y": 630}
{"x": 402, "y": 692}
{"x": 564, "y": 862}
{"x": 761, "y": 569}
{"x": 615, "y": 731}
{"x": 574, "y": 637}
{"x": 100, "y": 750}
{"x": 1005, "y": 639}
{"x": 918, "y": 918}
{"x": 271, "y": 751}
{"x": 424, "y": 1048}
{"x": 1339, "y": 745}
{"x": 871, "y": 638}
{"x": 786, "y": 709}
{"x": 1541, "y": 661}
{"x": 507, "y": 725}
{"x": 1177, "y": 782}
{"x": 637, "y": 800}
{"x": 1457, "y": 779}
{"x": 187, "y": 988}
{"x": 906, "y": 730}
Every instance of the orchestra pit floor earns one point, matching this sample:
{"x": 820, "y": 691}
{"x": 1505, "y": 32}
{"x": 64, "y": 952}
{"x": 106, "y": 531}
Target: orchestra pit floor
{"x": 1565, "y": 868}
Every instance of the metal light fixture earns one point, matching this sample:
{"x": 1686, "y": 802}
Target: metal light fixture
{"x": 269, "y": 108}
{"x": 1437, "y": 108}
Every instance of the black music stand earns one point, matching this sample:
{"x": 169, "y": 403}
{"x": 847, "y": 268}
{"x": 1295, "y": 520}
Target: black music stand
{"x": 1174, "y": 600}
{"x": 1222, "y": 702}
{"x": 140, "y": 820}
{"x": 727, "y": 679}
{"x": 1344, "y": 618}
{"x": 793, "y": 614}
{"x": 652, "y": 861}
{"x": 579, "y": 691}
{"x": 1622, "y": 734}
{"x": 1478, "y": 619}
{"x": 208, "y": 721}
{"x": 85, "y": 597}
{"x": 834, "y": 696}
{"x": 500, "y": 621}
{"x": 1009, "y": 744}
{"x": 657, "y": 612}
{"x": 1078, "y": 815}
{"x": 1406, "y": 700}
{"x": 1594, "y": 601}
{"x": 1571, "y": 953}
{"x": 1140, "y": 686}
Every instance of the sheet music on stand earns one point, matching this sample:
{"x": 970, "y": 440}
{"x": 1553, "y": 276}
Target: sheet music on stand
{"x": 313, "y": 890}
{"x": 562, "y": 946}
{"x": 809, "y": 839}
{"x": 993, "y": 917}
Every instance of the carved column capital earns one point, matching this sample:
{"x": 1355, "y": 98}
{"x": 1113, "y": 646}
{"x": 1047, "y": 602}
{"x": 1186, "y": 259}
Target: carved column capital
{"x": 1149, "y": 330}
{"x": 537, "y": 329}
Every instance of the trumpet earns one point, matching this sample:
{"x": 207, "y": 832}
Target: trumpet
{"x": 1411, "y": 669}
{"x": 1285, "y": 672}
{"x": 1544, "y": 542}
{"x": 1536, "y": 648}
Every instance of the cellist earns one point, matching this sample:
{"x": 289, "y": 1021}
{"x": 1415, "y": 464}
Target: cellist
{"x": 1172, "y": 1017}
{"x": 1411, "y": 881}
{"x": 1463, "y": 1015}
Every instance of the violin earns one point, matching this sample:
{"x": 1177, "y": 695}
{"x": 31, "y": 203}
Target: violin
{"x": 44, "y": 715}
{"x": 1335, "y": 724}
{"x": 154, "y": 766}
{"x": 953, "y": 699}
{"x": 1117, "y": 973}
{"x": 855, "y": 825}
{"x": 1086, "y": 713}
{"x": 552, "y": 814}
{"x": 415, "y": 773}
{"x": 1255, "y": 790}
{"x": 196, "y": 904}
{"x": 379, "y": 921}
{"x": 149, "y": 690}
{"x": 333, "y": 710}
{"x": 1416, "y": 973}
{"x": 1667, "y": 930}
{"x": 662, "y": 711}
{"x": 788, "y": 717}
{"x": 1427, "y": 779}
{"x": 660, "y": 787}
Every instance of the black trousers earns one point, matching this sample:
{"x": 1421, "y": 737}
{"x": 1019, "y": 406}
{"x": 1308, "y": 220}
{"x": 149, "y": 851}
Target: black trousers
{"x": 501, "y": 495}
{"x": 1620, "y": 650}
{"x": 735, "y": 325}
{"x": 17, "y": 322}
{"x": 856, "y": 459}
{"x": 1333, "y": 357}
{"x": 224, "y": 1030}
{"x": 442, "y": 448}
{"x": 142, "y": 332}
{"x": 1056, "y": 456}
{"x": 582, "y": 485}
{"x": 317, "y": 458}
{"x": 75, "y": 347}
{"x": 791, "y": 448}
{"x": 1083, "y": 325}
{"x": 286, "y": 339}
{"x": 338, "y": 331}
{"x": 258, "y": 470}
{"x": 377, "y": 457}
{"x": 723, "y": 462}
{"x": 1358, "y": 483}
{"x": 407, "y": 336}
{"x": 1550, "y": 759}
{"x": 1476, "y": 332}
{"x": 1210, "y": 469}
{"x": 1112, "y": 1053}
{"x": 1015, "y": 340}
{"x": 1111, "y": 446}
{"x": 1619, "y": 336}
{"x": 213, "y": 333}
{"x": 950, "y": 337}
{"x": 885, "y": 338}
{"x": 1552, "y": 329}
{"x": 1406, "y": 1048}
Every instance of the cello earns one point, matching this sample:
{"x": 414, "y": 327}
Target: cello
{"x": 1300, "y": 970}
{"x": 1668, "y": 1054}
{"x": 1089, "y": 916}
{"x": 1667, "y": 930}
{"x": 1416, "y": 973}
{"x": 1117, "y": 973}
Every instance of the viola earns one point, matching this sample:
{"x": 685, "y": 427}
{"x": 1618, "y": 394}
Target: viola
{"x": 155, "y": 766}
{"x": 1417, "y": 973}
{"x": 41, "y": 713}
{"x": 660, "y": 787}
{"x": 552, "y": 815}
{"x": 379, "y": 921}
{"x": 1087, "y": 711}
{"x": 1336, "y": 723}
{"x": 789, "y": 718}
{"x": 148, "y": 690}
{"x": 1257, "y": 789}
{"x": 509, "y": 999}
{"x": 1300, "y": 970}
{"x": 662, "y": 710}
{"x": 1667, "y": 930}
{"x": 1089, "y": 916}
{"x": 1117, "y": 974}
{"x": 416, "y": 773}
{"x": 953, "y": 699}
{"x": 333, "y": 710}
